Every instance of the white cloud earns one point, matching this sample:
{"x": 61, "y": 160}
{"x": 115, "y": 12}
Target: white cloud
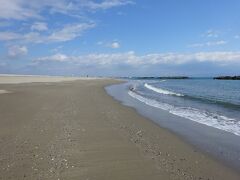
{"x": 34, "y": 37}
{"x": 17, "y": 51}
{"x": 197, "y": 45}
{"x": 25, "y": 9}
{"x": 57, "y": 49}
{"x": 115, "y": 45}
{"x": 211, "y": 34}
{"x": 57, "y": 57}
{"x": 100, "y": 43}
{"x": 209, "y": 43}
{"x": 67, "y": 33}
{"x": 237, "y": 36}
{"x": 8, "y": 36}
{"x": 130, "y": 58}
{"x": 39, "y": 26}
{"x": 216, "y": 43}
{"x": 70, "y": 32}
{"x": 14, "y": 9}
{"x": 106, "y": 4}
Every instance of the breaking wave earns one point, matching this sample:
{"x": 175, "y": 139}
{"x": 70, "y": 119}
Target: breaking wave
{"x": 200, "y": 116}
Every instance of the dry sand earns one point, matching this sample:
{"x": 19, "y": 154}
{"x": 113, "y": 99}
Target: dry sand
{"x": 74, "y": 130}
{"x": 16, "y": 79}
{"x": 3, "y": 91}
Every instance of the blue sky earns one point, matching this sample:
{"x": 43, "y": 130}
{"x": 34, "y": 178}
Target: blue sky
{"x": 120, "y": 37}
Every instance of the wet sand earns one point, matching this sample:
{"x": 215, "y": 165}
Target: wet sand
{"x": 74, "y": 130}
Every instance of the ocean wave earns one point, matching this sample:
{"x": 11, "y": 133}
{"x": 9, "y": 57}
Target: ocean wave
{"x": 199, "y": 116}
{"x": 161, "y": 91}
{"x": 150, "y": 102}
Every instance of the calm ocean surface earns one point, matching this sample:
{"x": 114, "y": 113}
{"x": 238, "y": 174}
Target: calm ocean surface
{"x": 215, "y": 103}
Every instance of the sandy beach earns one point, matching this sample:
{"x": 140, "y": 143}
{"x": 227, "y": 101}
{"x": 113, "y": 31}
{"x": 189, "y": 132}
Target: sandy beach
{"x": 65, "y": 129}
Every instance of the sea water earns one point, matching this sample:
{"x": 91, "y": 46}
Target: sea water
{"x": 203, "y": 111}
{"x": 214, "y": 103}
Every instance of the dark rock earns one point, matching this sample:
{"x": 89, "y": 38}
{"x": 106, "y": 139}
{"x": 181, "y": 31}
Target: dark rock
{"x": 227, "y": 78}
{"x": 166, "y": 77}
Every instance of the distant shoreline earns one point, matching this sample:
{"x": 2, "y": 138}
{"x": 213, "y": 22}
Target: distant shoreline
{"x": 161, "y": 77}
{"x": 60, "y": 78}
{"x": 227, "y": 78}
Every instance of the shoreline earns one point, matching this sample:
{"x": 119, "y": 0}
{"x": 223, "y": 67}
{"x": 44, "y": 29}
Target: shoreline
{"x": 51, "y": 131}
{"x": 141, "y": 110}
{"x": 217, "y": 144}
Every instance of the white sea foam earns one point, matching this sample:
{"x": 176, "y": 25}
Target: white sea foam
{"x": 200, "y": 116}
{"x": 151, "y": 102}
{"x": 161, "y": 91}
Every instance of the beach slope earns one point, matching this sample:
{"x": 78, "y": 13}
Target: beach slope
{"x": 74, "y": 130}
